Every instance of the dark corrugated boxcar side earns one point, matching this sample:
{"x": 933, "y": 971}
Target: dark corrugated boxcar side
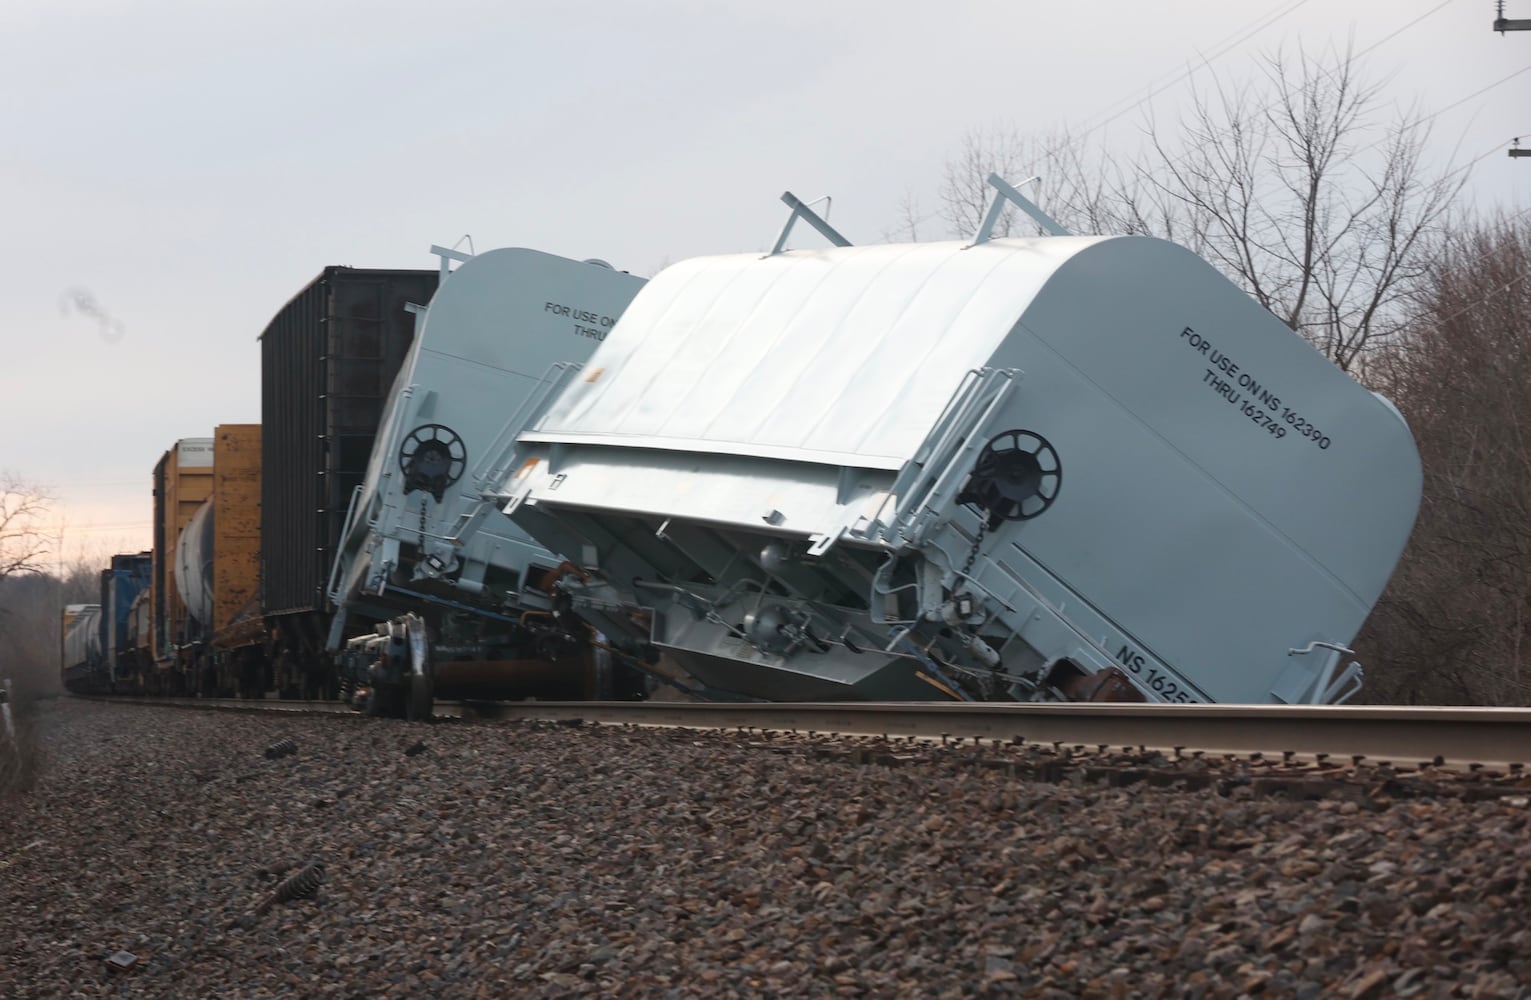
{"x": 328, "y": 360}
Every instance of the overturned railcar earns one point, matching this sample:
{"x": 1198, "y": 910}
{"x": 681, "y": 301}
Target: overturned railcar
{"x": 1068, "y": 467}
{"x": 416, "y": 548}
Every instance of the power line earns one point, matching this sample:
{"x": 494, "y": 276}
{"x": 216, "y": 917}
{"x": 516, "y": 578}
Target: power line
{"x": 1209, "y": 140}
{"x": 1498, "y": 291}
{"x": 1502, "y": 25}
{"x": 1437, "y": 113}
{"x": 1496, "y": 147}
{"x": 1227, "y": 46}
{"x": 1370, "y": 48}
{"x": 1387, "y": 38}
{"x": 1153, "y": 175}
{"x": 1238, "y": 36}
{"x": 1171, "y": 163}
{"x": 1481, "y": 90}
{"x": 1220, "y": 48}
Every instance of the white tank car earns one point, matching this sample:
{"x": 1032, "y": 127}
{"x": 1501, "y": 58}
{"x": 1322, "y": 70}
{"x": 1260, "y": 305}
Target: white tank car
{"x": 1054, "y": 467}
{"x": 80, "y": 638}
{"x": 194, "y": 557}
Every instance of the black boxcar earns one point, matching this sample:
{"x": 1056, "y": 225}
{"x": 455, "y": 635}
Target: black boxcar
{"x": 328, "y": 361}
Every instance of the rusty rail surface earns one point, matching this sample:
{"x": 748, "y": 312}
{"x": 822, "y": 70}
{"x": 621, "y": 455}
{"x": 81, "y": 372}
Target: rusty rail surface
{"x": 1452, "y": 737}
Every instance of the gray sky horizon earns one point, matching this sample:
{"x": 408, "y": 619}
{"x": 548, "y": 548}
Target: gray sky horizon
{"x": 192, "y": 166}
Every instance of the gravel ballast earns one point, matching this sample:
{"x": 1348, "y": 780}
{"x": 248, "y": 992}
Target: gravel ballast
{"x": 501, "y": 859}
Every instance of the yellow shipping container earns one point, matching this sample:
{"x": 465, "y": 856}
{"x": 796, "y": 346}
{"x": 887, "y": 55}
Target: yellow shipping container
{"x": 236, "y": 527}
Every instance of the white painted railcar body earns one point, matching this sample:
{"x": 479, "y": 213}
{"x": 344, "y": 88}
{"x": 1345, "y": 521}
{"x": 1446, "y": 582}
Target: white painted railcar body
{"x": 495, "y": 326}
{"x": 1021, "y": 468}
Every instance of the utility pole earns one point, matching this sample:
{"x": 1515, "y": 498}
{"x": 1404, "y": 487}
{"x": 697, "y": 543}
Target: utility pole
{"x": 1501, "y": 25}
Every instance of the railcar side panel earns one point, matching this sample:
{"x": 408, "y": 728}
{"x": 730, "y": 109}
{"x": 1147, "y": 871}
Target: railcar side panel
{"x": 328, "y": 360}
{"x": 183, "y": 480}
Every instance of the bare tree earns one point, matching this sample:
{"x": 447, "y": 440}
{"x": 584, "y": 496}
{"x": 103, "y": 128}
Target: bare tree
{"x": 24, "y": 544}
{"x": 1079, "y": 194}
{"x": 28, "y": 622}
{"x": 1299, "y": 186}
{"x": 1455, "y": 623}
{"x": 910, "y": 219}
{"x": 1305, "y": 196}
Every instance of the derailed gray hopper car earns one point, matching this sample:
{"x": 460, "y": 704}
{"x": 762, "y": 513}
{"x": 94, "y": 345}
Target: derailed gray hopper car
{"x": 1058, "y": 467}
{"x": 412, "y": 552}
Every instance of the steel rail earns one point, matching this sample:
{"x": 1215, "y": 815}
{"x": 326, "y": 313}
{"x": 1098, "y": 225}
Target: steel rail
{"x": 444, "y": 709}
{"x": 1457, "y": 737}
{"x": 1452, "y": 737}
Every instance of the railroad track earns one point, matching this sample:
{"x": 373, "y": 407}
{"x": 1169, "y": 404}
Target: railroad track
{"x": 1457, "y": 738}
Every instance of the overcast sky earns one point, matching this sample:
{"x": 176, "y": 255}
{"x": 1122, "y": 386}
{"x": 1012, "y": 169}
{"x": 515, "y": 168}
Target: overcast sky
{"x": 191, "y": 165}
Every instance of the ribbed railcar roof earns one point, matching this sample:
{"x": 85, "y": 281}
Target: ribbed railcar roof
{"x": 807, "y": 352}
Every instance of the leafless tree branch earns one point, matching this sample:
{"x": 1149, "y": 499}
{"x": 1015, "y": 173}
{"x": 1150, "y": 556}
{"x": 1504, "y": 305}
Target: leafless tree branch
{"x": 24, "y": 544}
{"x": 1299, "y": 186}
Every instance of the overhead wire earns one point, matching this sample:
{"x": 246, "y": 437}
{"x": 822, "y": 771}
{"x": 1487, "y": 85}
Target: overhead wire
{"x": 1501, "y": 289}
{"x": 1186, "y": 154}
{"x": 1222, "y": 47}
{"x": 1425, "y": 119}
{"x": 1389, "y": 37}
{"x": 1482, "y": 90}
{"x": 1206, "y": 61}
{"x": 1208, "y": 141}
{"x": 1419, "y": 121}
